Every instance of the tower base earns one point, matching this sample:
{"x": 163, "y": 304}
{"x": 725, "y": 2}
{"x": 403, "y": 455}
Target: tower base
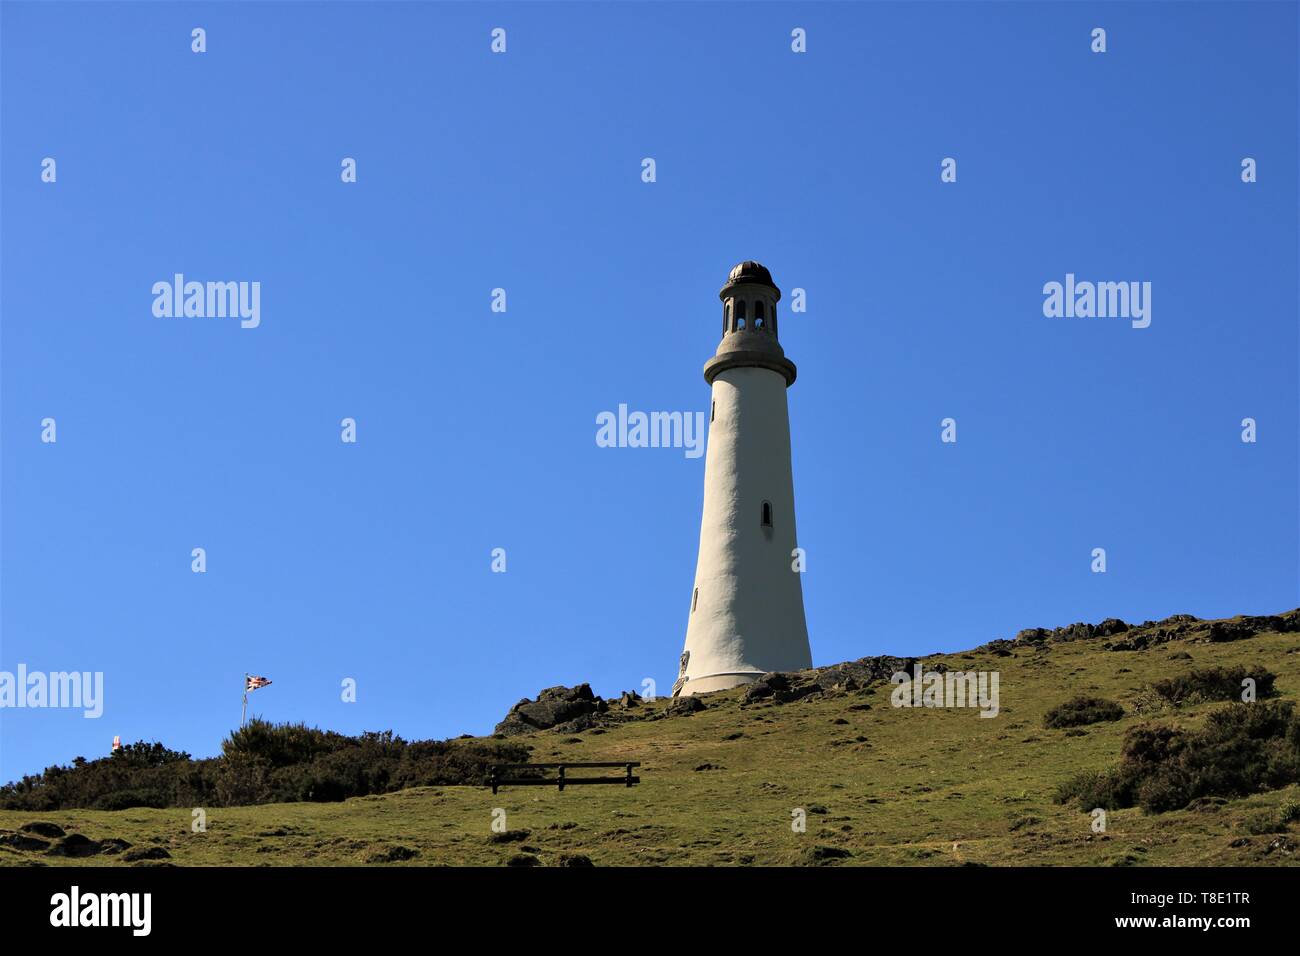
{"x": 706, "y": 685}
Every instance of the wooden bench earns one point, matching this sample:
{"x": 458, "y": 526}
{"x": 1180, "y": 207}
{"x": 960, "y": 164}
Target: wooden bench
{"x": 561, "y": 779}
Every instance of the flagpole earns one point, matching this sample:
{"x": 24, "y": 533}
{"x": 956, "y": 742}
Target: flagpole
{"x": 244, "y": 710}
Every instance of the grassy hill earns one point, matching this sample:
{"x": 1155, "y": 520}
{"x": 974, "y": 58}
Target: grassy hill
{"x": 880, "y": 785}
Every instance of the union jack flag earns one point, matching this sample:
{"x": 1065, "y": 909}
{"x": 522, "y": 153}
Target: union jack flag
{"x": 253, "y": 683}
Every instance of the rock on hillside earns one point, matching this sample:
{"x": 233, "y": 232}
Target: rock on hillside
{"x": 568, "y": 709}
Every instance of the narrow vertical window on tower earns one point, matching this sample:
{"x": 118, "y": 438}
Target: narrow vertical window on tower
{"x": 758, "y": 314}
{"x": 695, "y": 600}
{"x": 713, "y": 411}
{"x": 740, "y": 315}
{"x": 726, "y": 318}
{"x": 767, "y": 514}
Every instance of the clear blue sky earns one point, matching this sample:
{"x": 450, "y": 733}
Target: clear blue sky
{"x": 477, "y": 430}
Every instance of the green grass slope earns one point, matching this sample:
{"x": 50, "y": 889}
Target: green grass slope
{"x": 879, "y": 785}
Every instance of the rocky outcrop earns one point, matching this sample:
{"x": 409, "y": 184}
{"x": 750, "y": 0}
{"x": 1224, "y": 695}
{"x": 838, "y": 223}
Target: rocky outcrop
{"x": 568, "y": 709}
{"x": 1237, "y": 628}
{"x": 862, "y": 672}
{"x": 1080, "y": 631}
{"x": 43, "y": 829}
{"x": 20, "y": 841}
{"x": 76, "y": 845}
{"x": 838, "y": 679}
{"x": 70, "y": 844}
{"x": 1184, "y": 627}
{"x": 1137, "y": 637}
{"x": 685, "y": 705}
{"x": 150, "y": 853}
{"x": 774, "y": 686}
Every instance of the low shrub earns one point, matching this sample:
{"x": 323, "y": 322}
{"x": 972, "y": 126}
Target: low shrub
{"x": 1242, "y": 749}
{"x": 1214, "y": 683}
{"x": 1080, "y": 711}
{"x": 261, "y": 763}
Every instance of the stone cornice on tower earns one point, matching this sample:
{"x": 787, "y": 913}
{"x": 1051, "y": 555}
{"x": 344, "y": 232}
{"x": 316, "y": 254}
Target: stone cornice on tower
{"x": 736, "y": 355}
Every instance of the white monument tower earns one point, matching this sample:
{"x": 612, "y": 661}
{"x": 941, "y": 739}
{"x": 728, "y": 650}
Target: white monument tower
{"x": 746, "y": 613}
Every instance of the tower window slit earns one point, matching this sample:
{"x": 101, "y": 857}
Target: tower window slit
{"x": 767, "y": 514}
{"x": 758, "y": 315}
{"x": 695, "y": 600}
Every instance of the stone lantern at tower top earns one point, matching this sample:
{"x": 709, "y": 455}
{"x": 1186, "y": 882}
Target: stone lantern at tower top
{"x": 750, "y": 333}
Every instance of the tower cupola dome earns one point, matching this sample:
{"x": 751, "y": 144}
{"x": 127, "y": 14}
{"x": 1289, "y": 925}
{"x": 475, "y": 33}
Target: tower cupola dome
{"x": 753, "y": 273}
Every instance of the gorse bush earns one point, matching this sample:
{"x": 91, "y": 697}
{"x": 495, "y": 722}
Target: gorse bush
{"x": 141, "y": 754}
{"x": 1243, "y": 749}
{"x": 1082, "y": 710}
{"x": 261, "y": 763}
{"x": 138, "y": 775}
{"x": 282, "y": 745}
{"x": 1214, "y": 683}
